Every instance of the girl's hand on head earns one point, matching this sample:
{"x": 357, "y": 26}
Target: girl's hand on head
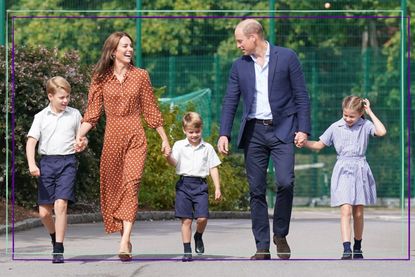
{"x": 367, "y": 104}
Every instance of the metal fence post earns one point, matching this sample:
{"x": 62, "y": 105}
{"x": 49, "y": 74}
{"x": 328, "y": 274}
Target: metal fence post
{"x": 314, "y": 121}
{"x": 172, "y": 76}
{"x": 216, "y": 88}
{"x": 403, "y": 86}
{"x": 271, "y": 35}
{"x": 3, "y": 22}
{"x": 138, "y": 50}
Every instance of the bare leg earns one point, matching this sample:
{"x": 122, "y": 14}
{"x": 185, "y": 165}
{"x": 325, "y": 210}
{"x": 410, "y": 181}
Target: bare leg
{"x": 358, "y": 221}
{"x": 45, "y": 214}
{"x": 126, "y": 236}
{"x": 346, "y": 212}
{"x": 201, "y": 224}
{"x": 186, "y": 230}
{"x": 61, "y": 207}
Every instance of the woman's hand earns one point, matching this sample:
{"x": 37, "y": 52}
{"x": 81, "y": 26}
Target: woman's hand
{"x": 165, "y": 148}
{"x": 80, "y": 144}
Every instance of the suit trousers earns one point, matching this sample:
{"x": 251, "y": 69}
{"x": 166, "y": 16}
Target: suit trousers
{"x": 260, "y": 144}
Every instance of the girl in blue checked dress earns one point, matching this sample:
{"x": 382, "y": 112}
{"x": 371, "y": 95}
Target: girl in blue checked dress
{"x": 352, "y": 182}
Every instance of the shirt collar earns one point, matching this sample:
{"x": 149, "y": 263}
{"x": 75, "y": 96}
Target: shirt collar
{"x": 201, "y": 144}
{"x": 125, "y": 76}
{"x": 266, "y": 53}
{"x": 341, "y": 122}
{"x": 49, "y": 110}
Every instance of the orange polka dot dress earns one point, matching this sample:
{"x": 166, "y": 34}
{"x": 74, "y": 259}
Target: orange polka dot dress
{"x": 125, "y": 147}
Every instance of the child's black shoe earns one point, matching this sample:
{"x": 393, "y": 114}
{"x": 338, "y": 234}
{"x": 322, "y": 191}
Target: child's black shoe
{"x": 357, "y": 254}
{"x": 187, "y": 257}
{"x": 57, "y": 255}
{"x": 57, "y": 258}
{"x": 199, "y": 246}
{"x": 347, "y": 255}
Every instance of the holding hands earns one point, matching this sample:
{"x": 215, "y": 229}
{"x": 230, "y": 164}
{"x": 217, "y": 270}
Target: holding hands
{"x": 80, "y": 144}
{"x": 300, "y": 139}
{"x": 165, "y": 148}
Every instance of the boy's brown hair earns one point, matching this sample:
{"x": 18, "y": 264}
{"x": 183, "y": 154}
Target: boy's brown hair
{"x": 192, "y": 120}
{"x": 56, "y": 83}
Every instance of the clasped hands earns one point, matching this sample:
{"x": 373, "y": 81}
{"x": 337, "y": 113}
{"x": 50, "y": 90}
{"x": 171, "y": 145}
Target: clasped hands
{"x": 300, "y": 139}
{"x": 80, "y": 144}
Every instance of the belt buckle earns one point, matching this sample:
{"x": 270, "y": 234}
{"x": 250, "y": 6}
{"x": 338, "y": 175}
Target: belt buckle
{"x": 266, "y": 122}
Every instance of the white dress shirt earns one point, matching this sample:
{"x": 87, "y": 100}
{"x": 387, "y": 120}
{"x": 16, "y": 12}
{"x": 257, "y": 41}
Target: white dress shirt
{"x": 260, "y": 107}
{"x": 194, "y": 160}
{"x": 55, "y": 132}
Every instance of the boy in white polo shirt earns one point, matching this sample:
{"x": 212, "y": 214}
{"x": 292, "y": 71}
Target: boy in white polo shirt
{"x": 55, "y": 129}
{"x": 194, "y": 160}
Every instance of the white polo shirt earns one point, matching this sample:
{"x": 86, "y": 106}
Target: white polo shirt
{"x": 194, "y": 160}
{"x": 55, "y": 132}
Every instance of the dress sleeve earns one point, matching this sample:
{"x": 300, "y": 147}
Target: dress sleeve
{"x": 148, "y": 103}
{"x": 95, "y": 104}
{"x": 327, "y": 136}
{"x": 369, "y": 127}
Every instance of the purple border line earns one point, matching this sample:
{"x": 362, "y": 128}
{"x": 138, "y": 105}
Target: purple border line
{"x": 205, "y": 17}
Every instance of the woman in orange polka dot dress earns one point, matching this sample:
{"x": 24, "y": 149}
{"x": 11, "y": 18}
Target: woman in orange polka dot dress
{"x": 125, "y": 93}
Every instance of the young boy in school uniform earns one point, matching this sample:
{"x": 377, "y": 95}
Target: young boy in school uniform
{"x": 194, "y": 160}
{"x": 55, "y": 128}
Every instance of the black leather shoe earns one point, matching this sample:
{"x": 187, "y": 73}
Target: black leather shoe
{"x": 199, "y": 246}
{"x": 57, "y": 255}
{"x": 357, "y": 254}
{"x": 187, "y": 257}
{"x": 261, "y": 255}
{"x": 57, "y": 258}
{"x": 283, "y": 249}
{"x": 347, "y": 255}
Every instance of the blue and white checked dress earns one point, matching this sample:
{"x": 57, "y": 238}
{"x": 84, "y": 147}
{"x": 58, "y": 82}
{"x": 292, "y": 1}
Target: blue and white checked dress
{"x": 352, "y": 180}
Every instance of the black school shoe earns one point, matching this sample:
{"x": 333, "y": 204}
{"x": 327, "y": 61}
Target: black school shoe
{"x": 57, "y": 255}
{"x": 199, "y": 246}
{"x": 187, "y": 257}
{"x": 57, "y": 258}
{"x": 347, "y": 255}
{"x": 357, "y": 254}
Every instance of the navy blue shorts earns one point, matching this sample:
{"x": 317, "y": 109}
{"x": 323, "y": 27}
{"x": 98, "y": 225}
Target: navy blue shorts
{"x": 192, "y": 197}
{"x": 57, "y": 178}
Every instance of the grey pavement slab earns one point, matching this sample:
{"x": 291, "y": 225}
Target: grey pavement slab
{"x": 314, "y": 239}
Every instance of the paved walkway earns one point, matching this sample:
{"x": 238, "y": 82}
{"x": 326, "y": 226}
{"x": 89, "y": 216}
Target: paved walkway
{"x": 314, "y": 239}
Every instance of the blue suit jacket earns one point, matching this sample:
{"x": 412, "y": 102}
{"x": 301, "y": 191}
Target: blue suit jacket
{"x": 287, "y": 95}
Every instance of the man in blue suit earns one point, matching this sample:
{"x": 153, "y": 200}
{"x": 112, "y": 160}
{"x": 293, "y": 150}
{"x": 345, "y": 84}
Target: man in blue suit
{"x": 276, "y": 116}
